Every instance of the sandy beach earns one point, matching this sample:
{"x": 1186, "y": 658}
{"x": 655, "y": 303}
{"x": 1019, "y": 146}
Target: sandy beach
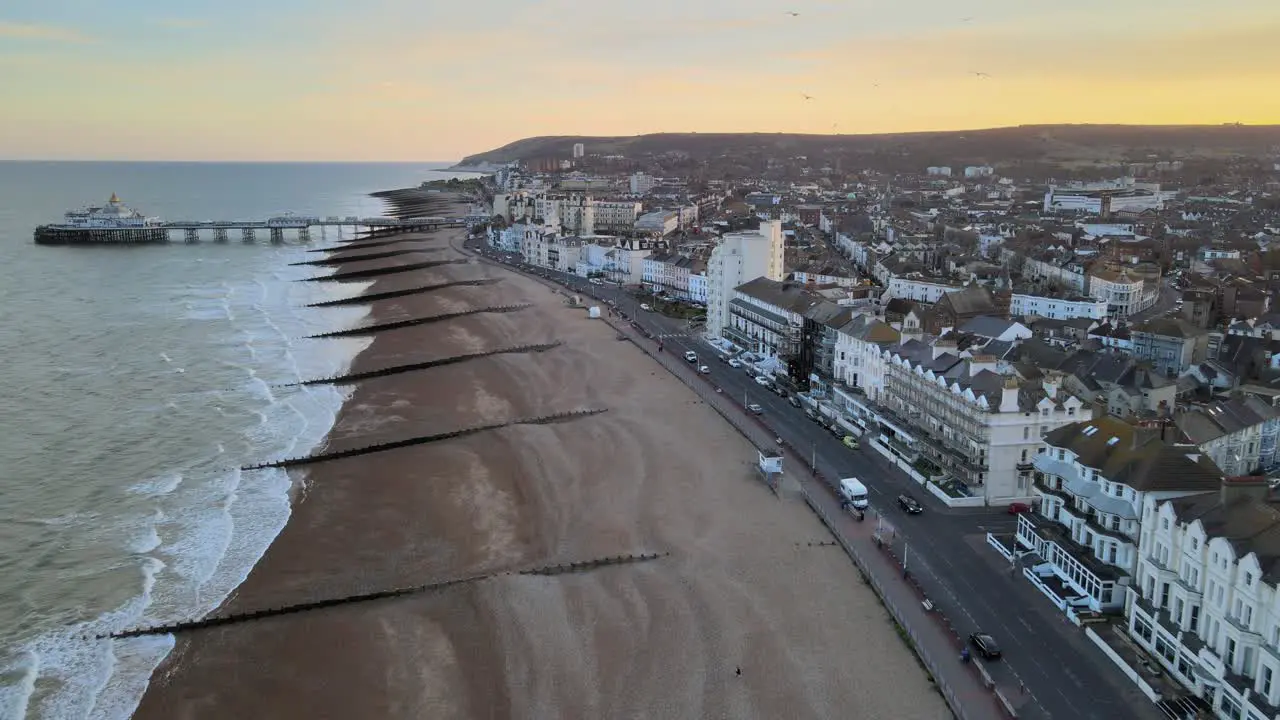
{"x": 743, "y": 586}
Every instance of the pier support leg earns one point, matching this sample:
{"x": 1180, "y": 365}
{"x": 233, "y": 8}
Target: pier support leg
{"x": 220, "y": 234}
{"x": 192, "y": 235}
{"x": 248, "y": 235}
{"x": 304, "y": 234}
{"x": 277, "y": 235}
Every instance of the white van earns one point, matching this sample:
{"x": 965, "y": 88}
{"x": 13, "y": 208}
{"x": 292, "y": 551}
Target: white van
{"x": 854, "y": 492}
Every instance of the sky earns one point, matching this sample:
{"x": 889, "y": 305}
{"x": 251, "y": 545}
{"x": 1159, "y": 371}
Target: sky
{"x": 424, "y": 80}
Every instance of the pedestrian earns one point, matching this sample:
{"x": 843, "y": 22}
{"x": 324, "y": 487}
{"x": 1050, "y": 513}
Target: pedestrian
{"x": 737, "y": 671}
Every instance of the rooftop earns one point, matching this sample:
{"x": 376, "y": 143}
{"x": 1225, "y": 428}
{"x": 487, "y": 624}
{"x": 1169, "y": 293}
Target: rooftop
{"x": 1135, "y": 456}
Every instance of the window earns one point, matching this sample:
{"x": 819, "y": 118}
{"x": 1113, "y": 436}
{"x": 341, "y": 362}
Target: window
{"x": 1071, "y": 411}
{"x": 1164, "y": 523}
{"x": 1266, "y": 678}
{"x": 1026, "y": 432}
{"x": 1248, "y": 579}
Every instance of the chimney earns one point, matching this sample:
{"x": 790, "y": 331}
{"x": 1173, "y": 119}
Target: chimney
{"x": 1009, "y": 395}
{"x": 1052, "y": 381}
{"x": 978, "y": 363}
{"x": 1244, "y": 486}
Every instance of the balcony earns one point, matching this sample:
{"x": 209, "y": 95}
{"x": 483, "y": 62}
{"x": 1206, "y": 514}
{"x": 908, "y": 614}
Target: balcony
{"x": 1042, "y": 484}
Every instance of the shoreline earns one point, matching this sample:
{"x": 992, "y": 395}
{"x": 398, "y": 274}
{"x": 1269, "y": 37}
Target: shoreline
{"x": 659, "y": 472}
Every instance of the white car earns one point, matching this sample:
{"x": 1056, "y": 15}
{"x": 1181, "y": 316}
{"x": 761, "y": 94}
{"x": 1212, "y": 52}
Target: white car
{"x": 596, "y": 281}
{"x": 762, "y": 380}
{"x": 735, "y": 363}
{"x": 645, "y": 307}
{"x": 705, "y": 370}
{"x": 691, "y": 356}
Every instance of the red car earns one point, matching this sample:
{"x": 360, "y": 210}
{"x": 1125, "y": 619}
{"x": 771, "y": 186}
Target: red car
{"x": 1018, "y": 508}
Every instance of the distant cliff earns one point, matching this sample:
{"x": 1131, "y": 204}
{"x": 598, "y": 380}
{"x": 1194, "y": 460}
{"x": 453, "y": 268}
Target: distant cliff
{"x": 1025, "y": 143}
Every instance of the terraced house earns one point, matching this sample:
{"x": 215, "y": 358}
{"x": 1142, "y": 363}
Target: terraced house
{"x": 1206, "y": 604}
{"x": 1092, "y": 479}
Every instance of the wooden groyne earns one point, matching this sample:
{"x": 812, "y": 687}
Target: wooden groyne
{"x": 234, "y": 618}
{"x": 361, "y": 244}
{"x": 421, "y": 440}
{"x": 369, "y": 256}
{"x": 376, "y": 272}
{"x": 426, "y": 365}
{"x": 361, "y": 299}
{"x": 367, "y": 329}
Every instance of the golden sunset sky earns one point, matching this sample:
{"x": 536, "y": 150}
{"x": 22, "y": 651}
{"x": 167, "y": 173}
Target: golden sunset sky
{"x": 422, "y": 80}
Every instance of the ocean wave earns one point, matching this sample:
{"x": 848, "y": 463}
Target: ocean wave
{"x": 209, "y": 524}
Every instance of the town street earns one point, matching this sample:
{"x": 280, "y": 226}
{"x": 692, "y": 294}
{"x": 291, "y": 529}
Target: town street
{"x": 945, "y": 550}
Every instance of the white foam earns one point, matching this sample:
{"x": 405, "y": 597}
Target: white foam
{"x": 215, "y": 524}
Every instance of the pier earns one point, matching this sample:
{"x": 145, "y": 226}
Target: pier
{"x": 276, "y": 229}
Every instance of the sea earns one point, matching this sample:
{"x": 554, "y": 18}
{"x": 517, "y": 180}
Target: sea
{"x": 136, "y": 381}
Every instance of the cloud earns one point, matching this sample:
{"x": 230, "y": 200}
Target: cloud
{"x": 181, "y": 23}
{"x": 49, "y": 33}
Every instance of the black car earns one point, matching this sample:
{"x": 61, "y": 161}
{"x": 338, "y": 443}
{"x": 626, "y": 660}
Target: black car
{"x": 910, "y": 504}
{"x": 985, "y": 645}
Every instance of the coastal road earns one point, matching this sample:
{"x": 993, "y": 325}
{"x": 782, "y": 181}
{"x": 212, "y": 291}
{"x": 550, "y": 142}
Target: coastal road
{"x": 1064, "y": 675}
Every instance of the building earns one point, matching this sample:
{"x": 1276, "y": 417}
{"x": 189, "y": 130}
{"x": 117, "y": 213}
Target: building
{"x": 641, "y": 184}
{"x": 938, "y": 171}
{"x": 615, "y": 216}
{"x": 1123, "y": 291}
{"x": 1169, "y": 344}
{"x": 579, "y": 151}
{"x": 1057, "y": 306}
{"x": 957, "y": 308}
{"x": 620, "y": 262}
{"x": 671, "y": 273}
{"x": 698, "y": 287}
{"x": 1100, "y": 201}
{"x": 767, "y": 316}
{"x": 658, "y": 222}
{"x": 1205, "y": 603}
{"x": 860, "y": 360}
{"x": 1092, "y": 479}
{"x": 980, "y": 427}
{"x": 921, "y": 289}
{"x": 741, "y": 256}
{"x": 974, "y": 171}
{"x": 1240, "y": 435}
{"x": 575, "y": 211}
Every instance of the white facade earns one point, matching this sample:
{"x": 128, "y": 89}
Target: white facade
{"x": 618, "y": 264}
{"x": 978, "y": 171}
{"x": 986, "y": 444}
{"x": 615, "y": 215}
{"x": 741, "y": 256}
{"x": 1203, "y": 606}
{"x": 658, "y": 222}
{"x": 859, "y": 355}
{"x": 818, "y": 279}
{"x": 1057, "y": 308}
{"x": 576, "y": 213}
{"x": 920, "y": 290}
{"x": 1088, "y": 200}
{"x": 641, "y": 183}
{"x": 1124, "y": 294}
{"x": 671, "y": 274}
{"x": 1070, "y": 276}
{"x": 579, "y": 150}
{"x": 698, "y": 288}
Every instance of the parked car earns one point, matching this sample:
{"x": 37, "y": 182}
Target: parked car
{"x": 910, "y": 504}
{"x": 645, "y": 307}
{"x": 1018, "y": 508}
{"x": 735, "y": 363}
{"x": 762, "y": 380}
{"x": 794, "y": 400}
{"x": 705, "y": 370}
{"x": 691, "y": 356}
{"x": 850, "y": 442}
{"x": 985, "y": 645}
{"x": 596, "y": 281}
{"x": 755, "y": 409}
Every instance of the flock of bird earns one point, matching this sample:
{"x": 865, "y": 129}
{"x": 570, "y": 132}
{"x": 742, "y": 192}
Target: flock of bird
{"x": 836, "y": 126}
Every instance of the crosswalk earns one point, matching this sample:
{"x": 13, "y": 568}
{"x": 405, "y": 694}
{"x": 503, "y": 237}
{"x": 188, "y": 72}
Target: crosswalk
{"x": 664, "y": 336}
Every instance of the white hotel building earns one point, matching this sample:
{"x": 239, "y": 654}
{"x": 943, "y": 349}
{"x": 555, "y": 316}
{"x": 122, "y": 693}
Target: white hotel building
{"x": 1057, "y": 308}
{"x": 739, "y": 258}
{"x": 1206, "y": 603}
{"x": 1092, "y": 478}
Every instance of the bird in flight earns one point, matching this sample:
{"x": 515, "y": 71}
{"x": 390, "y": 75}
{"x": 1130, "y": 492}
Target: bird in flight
{"x": 793, "y": 13}
{"x": 968, "y": 19}
{"x": 806, "y": 96}
{"x": 980, "y": 75}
